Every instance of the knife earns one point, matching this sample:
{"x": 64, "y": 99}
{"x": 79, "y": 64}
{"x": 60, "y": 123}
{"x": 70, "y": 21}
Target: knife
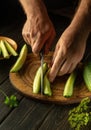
{"x": 42, "y": 61}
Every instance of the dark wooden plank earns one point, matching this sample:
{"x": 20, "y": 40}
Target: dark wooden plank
{"x": 29, "y": 115}
{"x": 57, "y": 119}
{"x": 9, "y": 90}
{"x": 32, "y": 115}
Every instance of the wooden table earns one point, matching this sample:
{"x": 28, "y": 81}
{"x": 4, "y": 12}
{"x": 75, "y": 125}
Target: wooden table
{"x": 30, "y": 114}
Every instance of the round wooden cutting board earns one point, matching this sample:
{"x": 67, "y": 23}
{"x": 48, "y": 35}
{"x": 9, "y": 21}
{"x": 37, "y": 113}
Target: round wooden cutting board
{"x": 23, "y": 81}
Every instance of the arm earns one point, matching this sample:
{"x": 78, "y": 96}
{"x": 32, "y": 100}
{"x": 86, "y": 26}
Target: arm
{"x": 82, "y": 18}
{"x": 38, "y": 30}
{"x": 32, "y": 6}
{"x": 71, "y": 46}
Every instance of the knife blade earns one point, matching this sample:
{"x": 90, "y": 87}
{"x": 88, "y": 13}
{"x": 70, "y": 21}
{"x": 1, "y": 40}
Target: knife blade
{"x": 42, "y": 61}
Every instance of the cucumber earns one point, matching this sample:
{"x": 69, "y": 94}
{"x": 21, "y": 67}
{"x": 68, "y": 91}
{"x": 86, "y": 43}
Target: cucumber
{"x": 68, "y": 88}
{"x": 37, "y": 78}
{"x": 10, "y": 49}
{"x": 4, "y": 50}
{"x": 20, "y": 60}
{"x": 47, "y": 88}
{"x": 87, "y": 75}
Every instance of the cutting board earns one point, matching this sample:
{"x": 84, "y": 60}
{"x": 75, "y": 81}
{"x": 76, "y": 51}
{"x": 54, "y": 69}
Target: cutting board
{"x": 23, "y": 82}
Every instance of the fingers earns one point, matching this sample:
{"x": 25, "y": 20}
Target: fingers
{"x": 29, "y": 36}
{"x": 73, "y": 66}
{"x": 58, "y": 62}
{"x": 62, "y": 65}
{"x": 65, "y": 68}
{"x": 38, "y": 35}
{"x": 36, "y": 42}
{"x": 26, "y": 38}
{"x": 43, "y": 40}
{"x": 40, "y": 41}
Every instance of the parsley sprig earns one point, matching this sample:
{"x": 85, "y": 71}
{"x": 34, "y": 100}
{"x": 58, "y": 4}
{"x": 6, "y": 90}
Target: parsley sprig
{"x": 10, "y": 101}
{"x": 80, "y": 116}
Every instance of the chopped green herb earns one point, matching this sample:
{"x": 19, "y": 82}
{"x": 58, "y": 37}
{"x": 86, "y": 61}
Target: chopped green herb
{"x": 80, "y": 115}
{"x": 10, "y": 101}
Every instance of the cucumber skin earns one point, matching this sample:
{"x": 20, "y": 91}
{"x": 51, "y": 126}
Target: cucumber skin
{"x": 87, "y": 75}
{"x": 69, "y": 85}
{"x": 37, "y": 78}
{"x": 4, "y": 50}
{"x": 10, "y": 49}
{"x": 21, "y": 59}
{"x": 47, "y": 88}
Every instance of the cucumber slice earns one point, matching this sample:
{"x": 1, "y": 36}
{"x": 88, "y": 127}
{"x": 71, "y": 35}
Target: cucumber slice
{"x": 47, "y": 88}
{"x": 21, "y": 59}
{"x": 87, "y": 75}
{"x": 68, "y": 89}
{"x": 10, "y": 49}
{"x": 4, "y": 50}
{"x": 37, "y": 78}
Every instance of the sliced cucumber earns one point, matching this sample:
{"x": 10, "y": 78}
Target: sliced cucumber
{"x": 21, "y": 59}
{"x": 47, "y": 88}
{"x": 87, "y": 75}
{"x": 4, "y": 50}
{"x": 68, "y": 89}
{"x": 10, "y": 49}
{"x": 37, "y": 79}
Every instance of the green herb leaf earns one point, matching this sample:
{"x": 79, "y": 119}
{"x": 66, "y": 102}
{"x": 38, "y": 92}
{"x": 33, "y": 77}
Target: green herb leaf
{"x": 11, "y": 101}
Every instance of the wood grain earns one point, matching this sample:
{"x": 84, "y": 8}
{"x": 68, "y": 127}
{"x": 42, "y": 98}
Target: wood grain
{"x": 23, "y": 82}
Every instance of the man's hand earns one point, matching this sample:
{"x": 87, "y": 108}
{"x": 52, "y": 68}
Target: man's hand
{"x": 68, "y": 53}
{"x": 38, "y": 31}
{"x": 71, "y": 45}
